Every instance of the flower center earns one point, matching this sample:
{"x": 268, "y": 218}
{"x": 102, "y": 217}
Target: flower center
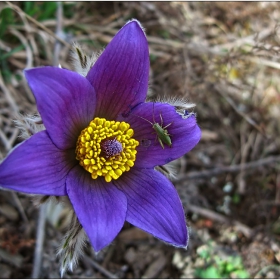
{"x": 106, "y": 148}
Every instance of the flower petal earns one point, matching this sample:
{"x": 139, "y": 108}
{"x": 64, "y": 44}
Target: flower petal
{"x": 37, "y": 166}
{"x": 120, "y": 75}
{"x": 100, "y": 206}
{"x": 154, "y": 205}
{"x": 65, "y": 100}
{"x": 184, "y": 133}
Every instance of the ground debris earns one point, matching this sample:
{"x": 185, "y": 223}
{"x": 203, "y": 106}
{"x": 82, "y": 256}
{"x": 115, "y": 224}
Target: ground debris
{"x": 13, "y": 259}
{"x": 224, "y": 57}
{"x": 133, "y": 234}
{"x": 155, "y": 267}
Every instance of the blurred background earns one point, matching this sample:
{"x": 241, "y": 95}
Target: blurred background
{"x": 222, "y": 56}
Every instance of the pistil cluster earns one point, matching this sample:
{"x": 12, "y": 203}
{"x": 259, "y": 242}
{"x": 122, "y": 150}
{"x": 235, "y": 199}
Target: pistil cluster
{"x": 106, "y": 148}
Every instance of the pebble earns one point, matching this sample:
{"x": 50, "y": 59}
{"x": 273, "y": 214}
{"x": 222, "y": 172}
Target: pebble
{"x": 270, "y": 275}
{"x": 130, "y": 255}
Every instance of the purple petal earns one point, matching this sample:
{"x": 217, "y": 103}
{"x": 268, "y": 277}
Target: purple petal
{"x": 100, "y": 206}
{"x": 154, "y": 205}
{"x": 184, "y": 133}
{"x": 120, "y": 75}
{"x": 65, "y": 100}
{"x": 37, "y": 166}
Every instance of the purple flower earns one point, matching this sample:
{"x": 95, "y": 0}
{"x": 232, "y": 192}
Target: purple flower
{"x": 98, "y": 147}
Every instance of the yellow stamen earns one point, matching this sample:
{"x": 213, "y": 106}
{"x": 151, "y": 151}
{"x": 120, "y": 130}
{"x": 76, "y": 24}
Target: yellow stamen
{"x": 106, "y": 148}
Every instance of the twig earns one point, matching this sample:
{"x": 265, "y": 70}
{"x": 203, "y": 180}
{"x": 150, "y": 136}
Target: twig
{"x": 264, "y": 203}
{"x": 250, "y": 40}
{"x": 101, "y": 269}
{"x": 40, "y": 236}
{"x": 228, "y": 169}
{"x": 244, "y": 147}
{"x": 108, "y": 256}
{"x": 57, "y": 45}
{"x": 220, "y": 88}
{"x": 19, "y": 10}
{"x": 269, "y": 63}
{"x": 19, "y": 207}
{"x": 220, "y": 218}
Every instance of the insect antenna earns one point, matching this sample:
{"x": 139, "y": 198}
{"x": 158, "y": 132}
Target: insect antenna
{"x": 154, "y": 112}
{"x": 142, "y": 118}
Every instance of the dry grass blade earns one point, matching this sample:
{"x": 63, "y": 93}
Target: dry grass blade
{"x": 220, "y": 218}
{"x": 18, "y": 10}
{"x": 228, "y": 169}
{"x": 221, "y": 89}
{"x": 57, "y": 46}
{"x": 20, "y": 207}
{"x": 104, "y": 271}
{"x": 40, "y": 237}
{"x": 29, "y": 59}
{"x": 8, "y": 95}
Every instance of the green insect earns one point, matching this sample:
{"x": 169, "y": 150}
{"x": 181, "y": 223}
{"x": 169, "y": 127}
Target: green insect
{"x": 163, "y": 136}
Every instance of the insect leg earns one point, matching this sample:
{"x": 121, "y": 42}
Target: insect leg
{"x": 167, "y": 125}
{"x": 159, "y": 140}
{"x": 161, "y": 120}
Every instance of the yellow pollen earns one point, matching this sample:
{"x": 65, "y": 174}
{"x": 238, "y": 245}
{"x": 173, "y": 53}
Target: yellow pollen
{"x": 106, "y": 148}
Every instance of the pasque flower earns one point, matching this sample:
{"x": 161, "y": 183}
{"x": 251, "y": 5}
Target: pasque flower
{"x": 99, "y": 147}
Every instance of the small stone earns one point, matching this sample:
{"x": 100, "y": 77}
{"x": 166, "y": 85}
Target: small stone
{"x": 130, "y": 255}
{"x": 270, "y": 275}
{"x": 188, "y": 272}
{"x": 177, "y": 258}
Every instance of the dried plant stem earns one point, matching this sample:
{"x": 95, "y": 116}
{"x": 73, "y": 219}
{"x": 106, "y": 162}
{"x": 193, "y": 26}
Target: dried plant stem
{"x": 228, "y": 169}
{"x": 98, "y": 267}
{"x": 29, "y": 58}
{"x": 57, "y": 45}
{"x": 249, "y": 40}
{"x": 17, "y": 9}
{"x": 40, "y": 236}
{"x": 265, "y": 62}
{"x": 220, "y": 218}
{"x": 19, "y": 207}
{"x": 221, "y": 89}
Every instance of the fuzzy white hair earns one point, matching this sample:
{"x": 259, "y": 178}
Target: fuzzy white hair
{"x": 82, "y": 63}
